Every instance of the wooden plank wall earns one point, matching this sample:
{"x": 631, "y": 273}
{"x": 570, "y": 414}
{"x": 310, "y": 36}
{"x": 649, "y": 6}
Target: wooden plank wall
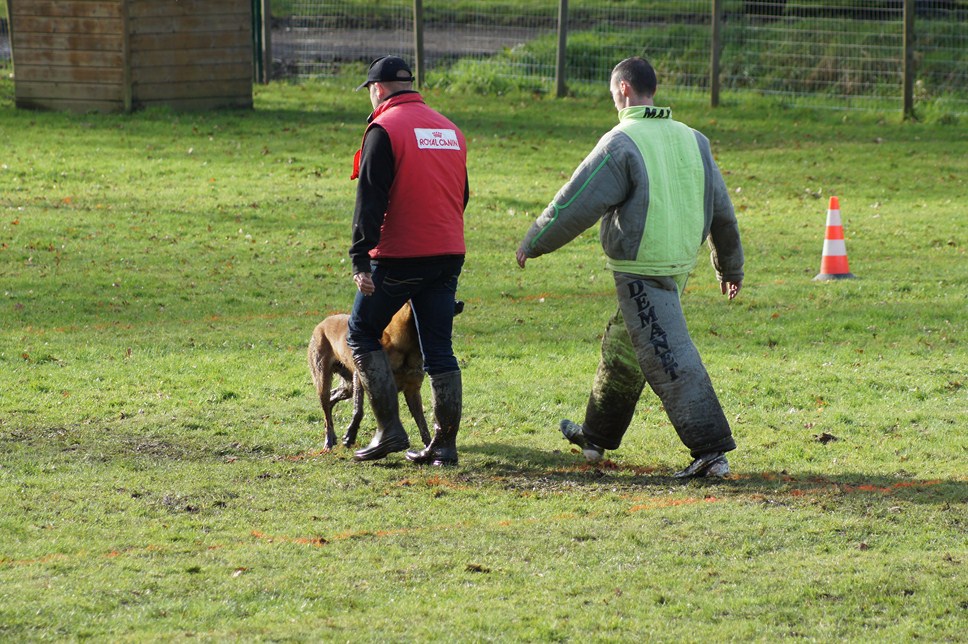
{"x": 68, "y": 54}
{"x": 190, "y": 54}
{"x": 113, "y": 55}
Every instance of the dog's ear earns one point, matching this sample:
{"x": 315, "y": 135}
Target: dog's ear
{"x": 458, "y": 307}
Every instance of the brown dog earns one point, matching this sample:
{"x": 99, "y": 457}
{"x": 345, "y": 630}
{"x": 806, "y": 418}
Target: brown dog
{"x": 328, "y": 354}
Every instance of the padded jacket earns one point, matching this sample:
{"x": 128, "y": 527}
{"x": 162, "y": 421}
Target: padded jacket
{"x": 653, "y": 184}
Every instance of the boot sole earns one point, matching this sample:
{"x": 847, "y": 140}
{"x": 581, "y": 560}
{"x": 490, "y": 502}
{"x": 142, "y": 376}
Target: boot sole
{"x": 381, "y": 450}
{"x": 418, "y": 458}
{"x": 717, "y": 468}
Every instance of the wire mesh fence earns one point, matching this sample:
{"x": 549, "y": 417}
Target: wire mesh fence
{"x": 314, "y": 37}
{"x": 847, "y": 57}
{"x": 941, "y": 55}
{"x": 497, "y": 44}
{"x": 845, "y": 53}
{"x": 470, "y": 41}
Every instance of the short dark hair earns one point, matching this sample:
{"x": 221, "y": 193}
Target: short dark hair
{"x": 638, "y": 73}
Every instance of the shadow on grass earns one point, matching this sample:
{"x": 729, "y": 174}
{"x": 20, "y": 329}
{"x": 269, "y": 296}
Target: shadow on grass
{"x": 506, "y": 466}
{"x": 558, "y": 469}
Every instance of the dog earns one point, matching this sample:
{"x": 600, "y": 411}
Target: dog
{"x": 328, "y": 354}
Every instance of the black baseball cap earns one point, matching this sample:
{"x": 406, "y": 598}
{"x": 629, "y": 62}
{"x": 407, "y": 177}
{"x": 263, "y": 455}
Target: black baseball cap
{"x": 387, "y": 69}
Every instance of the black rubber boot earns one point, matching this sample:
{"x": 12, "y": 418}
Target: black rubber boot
{"x": 377, "y": 378}
{"x": 447, "y": 393}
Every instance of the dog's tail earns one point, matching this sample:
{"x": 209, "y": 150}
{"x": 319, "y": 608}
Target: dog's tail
{"x": 313, "y": 356}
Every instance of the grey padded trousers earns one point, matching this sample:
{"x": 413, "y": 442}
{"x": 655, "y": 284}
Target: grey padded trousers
{"x": 649, "y": 329}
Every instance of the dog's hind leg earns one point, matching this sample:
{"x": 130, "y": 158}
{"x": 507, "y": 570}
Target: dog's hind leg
{"x": 322, "y": 375}
{"x": 323, "y": 380}
{"x": 415, "y": 405}
{"x": 350, "y": 437}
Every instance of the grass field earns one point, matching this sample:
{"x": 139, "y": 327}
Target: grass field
{"x": 161, "y": 473}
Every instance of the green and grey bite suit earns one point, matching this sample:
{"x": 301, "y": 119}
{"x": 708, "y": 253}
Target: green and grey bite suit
{"x": 653, "y": 184}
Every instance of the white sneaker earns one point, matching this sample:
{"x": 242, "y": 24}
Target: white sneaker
{"x": 575, "y": 434}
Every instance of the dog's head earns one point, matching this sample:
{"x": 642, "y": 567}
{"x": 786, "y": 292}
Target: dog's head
{"x": 458, "y": 307}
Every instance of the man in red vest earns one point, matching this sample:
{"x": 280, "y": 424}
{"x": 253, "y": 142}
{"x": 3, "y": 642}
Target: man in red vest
{"x": 407, "y": 244}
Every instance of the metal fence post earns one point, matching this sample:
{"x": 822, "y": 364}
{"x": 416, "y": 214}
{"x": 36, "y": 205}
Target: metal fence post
{"x": 909, "y": 71}
{"x": 261, "y": 30}
{"x": 560, "y": 64}
{"x": 716, "y": 48}
{"x": 418, "y": 42}
{"x": 266, "y": 41}
{"x": 127, "y": 92}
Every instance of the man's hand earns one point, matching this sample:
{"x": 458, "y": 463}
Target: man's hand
{"x": 521, "y": 256}
{"x": 731, "y": 288}
{"x": 364, "y": 282}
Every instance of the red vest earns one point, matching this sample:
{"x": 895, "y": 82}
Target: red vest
{"x": 425, "y": 213}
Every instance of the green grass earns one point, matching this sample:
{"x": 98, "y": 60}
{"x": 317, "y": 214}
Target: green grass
{"x": 160, "y": 466}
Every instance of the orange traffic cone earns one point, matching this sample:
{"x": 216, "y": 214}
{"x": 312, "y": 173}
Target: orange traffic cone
{"x": 833, "y": 264}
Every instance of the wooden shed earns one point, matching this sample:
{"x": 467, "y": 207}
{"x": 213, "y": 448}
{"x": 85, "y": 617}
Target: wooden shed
{"x": 122, "y": 55}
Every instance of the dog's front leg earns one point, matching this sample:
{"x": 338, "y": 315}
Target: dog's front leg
{"x": 415, "y": 405}
{"x": 328, "y": 416}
